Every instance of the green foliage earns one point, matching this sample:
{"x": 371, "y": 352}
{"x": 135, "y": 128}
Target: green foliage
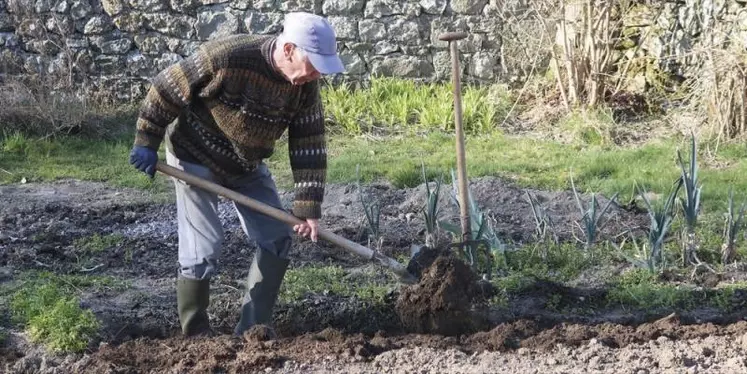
{"x": 430, "y": 211}
{"x": 559, "y": 262}
{"x": 397, "y": 105}
{"x": 591, "y": 221}
{"x": 542, "y": 221}
{"x": 689, "y": 179}
{"x": 320, "y": 279}
{"x": 53, "y": 317}
{"x": 651, "y": 256}
{"x": 15, "y": 143}
{"x": 482, "y": 257}
{"x": 732, "y": 225}
{"x": 97, "y": 243}
{"x": 589, "y": 126}
{"x": 641, "y": 289}
{"x": 372, "y": 209}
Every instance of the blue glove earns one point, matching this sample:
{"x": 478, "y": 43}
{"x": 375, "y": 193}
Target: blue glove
{"x": 144, "y": 159}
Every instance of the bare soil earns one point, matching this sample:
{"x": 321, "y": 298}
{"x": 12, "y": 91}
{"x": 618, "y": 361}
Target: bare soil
{"x": 438, "y": 325}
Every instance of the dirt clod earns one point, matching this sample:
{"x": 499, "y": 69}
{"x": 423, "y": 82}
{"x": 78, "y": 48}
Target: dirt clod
{"x": 258, "y": 333}
{"x": 441, "y": 302}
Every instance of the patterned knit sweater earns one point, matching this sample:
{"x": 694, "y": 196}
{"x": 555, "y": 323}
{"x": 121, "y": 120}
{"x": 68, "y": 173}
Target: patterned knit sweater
{"x": 228, "y": 106}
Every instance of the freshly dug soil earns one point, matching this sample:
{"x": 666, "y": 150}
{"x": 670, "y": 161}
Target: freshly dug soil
{"x": 520, "y": 345}
{"x": 441, "y": 302}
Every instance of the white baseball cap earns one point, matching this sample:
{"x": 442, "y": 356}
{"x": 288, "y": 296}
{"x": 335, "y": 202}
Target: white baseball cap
{"x": 315, "y": 36}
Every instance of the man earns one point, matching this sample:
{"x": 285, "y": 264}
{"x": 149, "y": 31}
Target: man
{"x": 229, "y": 103}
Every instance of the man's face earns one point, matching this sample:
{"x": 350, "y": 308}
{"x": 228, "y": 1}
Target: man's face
{"x": 299, "y": 69}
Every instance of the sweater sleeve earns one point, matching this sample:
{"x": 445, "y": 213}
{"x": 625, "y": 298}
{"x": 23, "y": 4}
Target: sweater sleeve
{"x": 170, "y": 91}
{"x": 308, "y": 155}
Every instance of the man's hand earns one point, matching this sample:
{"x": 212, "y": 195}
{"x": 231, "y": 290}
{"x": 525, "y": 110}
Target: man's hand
{"x": 144, "y": 159}
{"x": 310, "y": 228}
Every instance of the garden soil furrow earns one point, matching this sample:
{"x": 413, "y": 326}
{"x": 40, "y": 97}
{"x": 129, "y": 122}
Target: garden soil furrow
{"x": 434, "y": 326}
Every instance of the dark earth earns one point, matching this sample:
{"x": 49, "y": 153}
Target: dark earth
{"x": 447, "y": 311}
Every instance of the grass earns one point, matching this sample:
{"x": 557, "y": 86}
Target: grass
{"x": 97, "y": 243}
{"x": 48, "y": 307}
{"x": 528, "y": 162}
{"x": 369, "y": 285}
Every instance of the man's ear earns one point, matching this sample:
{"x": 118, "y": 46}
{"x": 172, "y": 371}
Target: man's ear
{"x": 288, "y": 49}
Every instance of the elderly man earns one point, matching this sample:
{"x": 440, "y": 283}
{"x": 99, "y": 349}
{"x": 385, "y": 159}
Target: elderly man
{"x": 229, "y": 103}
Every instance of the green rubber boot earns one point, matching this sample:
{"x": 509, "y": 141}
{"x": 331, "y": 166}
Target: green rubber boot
{"x": 193, "y": 298}
{"x": 263, "y": 285}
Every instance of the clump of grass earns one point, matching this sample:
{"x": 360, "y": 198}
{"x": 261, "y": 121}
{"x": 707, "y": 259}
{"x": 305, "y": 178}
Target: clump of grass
{"x": 557, "y": 262}
{"x": 334, "y": 280}
{"x": 640, "y": 289}
{"x": 53, "y": 316}
{"x": 97, "y": 243}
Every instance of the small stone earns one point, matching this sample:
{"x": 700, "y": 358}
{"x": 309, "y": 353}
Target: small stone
{"x": 149, "y": 5}
{"x": 371, "y": 31}
{"x": 468, "y": 6}
{"x": 6, "y": 23}
{"x": 353, "y": 62}
{"x": 116, "y": 47}
{"x": 98, "y": 25}
{"x": 345, "y": 27}
{"x": 216, "y": 23}
{"x": 433, "y": 6}
{"x": 343, "y": 7}
{"x": 113, "y": 7}
{"x": 263, "y": 23}
{"x": 80, "y": 9}
{"x": 385, "y": 47}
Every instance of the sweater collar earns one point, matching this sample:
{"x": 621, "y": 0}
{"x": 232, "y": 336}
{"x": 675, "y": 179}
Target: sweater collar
{"x": 268, "y": 47}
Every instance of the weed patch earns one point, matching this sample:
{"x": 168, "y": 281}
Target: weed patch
{"x": 366, "y": 285}
{"x": 641, "y": 289}
{"x": 97, "y": 243}
{"x": 47, "y": 306}
{"x": 53, "y": 317}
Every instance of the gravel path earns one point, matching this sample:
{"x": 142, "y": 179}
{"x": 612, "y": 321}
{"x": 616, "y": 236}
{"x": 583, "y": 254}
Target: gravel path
{"x": 710, "y": 355}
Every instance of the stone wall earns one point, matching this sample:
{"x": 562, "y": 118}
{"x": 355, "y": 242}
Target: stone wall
{"x": 120, "y": 44}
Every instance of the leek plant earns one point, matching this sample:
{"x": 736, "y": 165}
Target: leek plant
{"x": 661, "y": 217}
{"x": 480, "y": 257}
{"x": 592, "y": 224}
{"x": 430, "y": 211}
{"x": 690, "y": 204}
{"x": 732, "y": 224}
{"x": 372, "y": 210}
{"x": 542, "y": 224}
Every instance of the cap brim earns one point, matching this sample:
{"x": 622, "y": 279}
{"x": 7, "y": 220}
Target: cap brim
{"x": 327, "y": 64}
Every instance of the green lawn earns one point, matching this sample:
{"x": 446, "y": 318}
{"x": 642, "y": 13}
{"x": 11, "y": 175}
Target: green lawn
{"x": 528, "y": 162}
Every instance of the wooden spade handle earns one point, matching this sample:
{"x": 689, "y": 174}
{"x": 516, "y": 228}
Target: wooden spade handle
{"x": 449, "y": 36}
{"x": 281, "y": 215}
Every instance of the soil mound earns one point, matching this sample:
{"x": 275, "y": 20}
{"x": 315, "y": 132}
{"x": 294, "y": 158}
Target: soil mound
{"x": 442, "y": 301}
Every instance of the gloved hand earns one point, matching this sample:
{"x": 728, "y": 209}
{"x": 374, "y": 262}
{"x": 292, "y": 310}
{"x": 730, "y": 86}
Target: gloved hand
{"x": 144, "y": 159}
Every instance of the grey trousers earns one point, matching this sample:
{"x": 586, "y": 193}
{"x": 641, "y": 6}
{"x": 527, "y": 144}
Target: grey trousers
{"x": 201, "y": 233}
